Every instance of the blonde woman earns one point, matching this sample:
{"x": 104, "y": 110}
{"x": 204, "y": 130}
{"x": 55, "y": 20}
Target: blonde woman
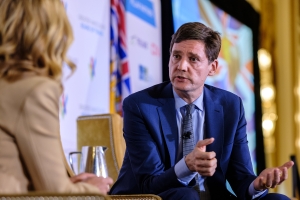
{"x": 34, "y": 38}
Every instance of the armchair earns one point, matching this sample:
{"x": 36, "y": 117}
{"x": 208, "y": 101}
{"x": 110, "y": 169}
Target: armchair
{"x": 103, "y": 130}
{"x": 107, "y": 130}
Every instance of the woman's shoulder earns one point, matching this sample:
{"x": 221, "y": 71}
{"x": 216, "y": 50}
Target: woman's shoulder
{"x": 24, "y": 88}
{"x": 29, "y": 81}
{"x": 37, "y": 84}
{"x": 38, "y": 80}
{"x": 39, "y": 87}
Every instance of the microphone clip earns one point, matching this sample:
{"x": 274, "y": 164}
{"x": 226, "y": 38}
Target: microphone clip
{"x": 186, "y": 135}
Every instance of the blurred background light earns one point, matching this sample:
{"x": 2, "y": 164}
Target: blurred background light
{"x": 268, "y": 124}
{"x": 264, "y": 59}
{"x": 267, "y": 93}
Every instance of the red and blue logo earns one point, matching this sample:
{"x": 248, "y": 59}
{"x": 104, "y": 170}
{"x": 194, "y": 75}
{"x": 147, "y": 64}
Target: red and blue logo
{"x": 92, "y": 67}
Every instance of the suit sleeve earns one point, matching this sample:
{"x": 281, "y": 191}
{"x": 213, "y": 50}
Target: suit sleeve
{"x": 146, "y": 148}
{"x": 240, "y": 170}
{"x": 39, "y": 141}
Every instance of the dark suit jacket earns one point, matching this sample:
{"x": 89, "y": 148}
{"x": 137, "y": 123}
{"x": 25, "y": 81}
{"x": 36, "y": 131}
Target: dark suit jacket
{"x": 151, "y": 135}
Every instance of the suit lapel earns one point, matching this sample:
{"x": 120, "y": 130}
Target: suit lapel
{"x": 214, "y": 123}
{"x": 214, "y": 119}
{"x": 167, "y": 115}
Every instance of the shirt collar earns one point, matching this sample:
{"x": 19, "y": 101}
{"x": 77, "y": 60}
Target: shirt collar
{"x": 179, "y": 102}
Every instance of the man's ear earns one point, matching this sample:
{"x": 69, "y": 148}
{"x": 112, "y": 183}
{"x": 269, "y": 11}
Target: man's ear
{"x": 213, "y": 67}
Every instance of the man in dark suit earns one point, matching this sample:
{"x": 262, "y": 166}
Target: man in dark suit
{"x": 155, "y": 161}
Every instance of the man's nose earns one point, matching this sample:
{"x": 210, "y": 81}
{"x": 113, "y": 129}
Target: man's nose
{"x": 183, "y": 65}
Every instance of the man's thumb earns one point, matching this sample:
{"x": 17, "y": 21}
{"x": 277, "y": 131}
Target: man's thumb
{"x": 203, "y": 143}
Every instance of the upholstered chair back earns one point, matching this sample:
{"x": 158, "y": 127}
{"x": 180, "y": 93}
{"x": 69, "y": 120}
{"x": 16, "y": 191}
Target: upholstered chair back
{"x": 103, "y": 130}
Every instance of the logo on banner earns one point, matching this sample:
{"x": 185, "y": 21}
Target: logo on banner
{"x": 155, "y": 50}
{"x": 91, "y": 25}
{"x": 63, "y": 104}
{"x": 143, "y": 73}
{"x": 92, "y": 67}
{"x": 136, "y": 40}
{"x": 143, "y": 9}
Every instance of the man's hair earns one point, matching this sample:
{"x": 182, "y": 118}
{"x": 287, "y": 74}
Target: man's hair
{"x": 34, "y": 36}
{"x": 198, "y": 31}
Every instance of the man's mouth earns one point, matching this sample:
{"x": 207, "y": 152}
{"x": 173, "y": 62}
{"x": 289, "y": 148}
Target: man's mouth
{"x": 180, "y": 77}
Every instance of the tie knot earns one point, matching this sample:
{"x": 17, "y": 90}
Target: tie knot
{"x": 189, "y": 108}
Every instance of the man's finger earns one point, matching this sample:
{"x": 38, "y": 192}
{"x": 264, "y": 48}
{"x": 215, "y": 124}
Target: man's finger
{"x": 203, "y": 143}
{"x": 287, "y": 164}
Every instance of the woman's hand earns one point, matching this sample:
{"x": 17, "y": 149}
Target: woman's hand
{"x": 103, "y": 184}
{"x": 81, "y": 177}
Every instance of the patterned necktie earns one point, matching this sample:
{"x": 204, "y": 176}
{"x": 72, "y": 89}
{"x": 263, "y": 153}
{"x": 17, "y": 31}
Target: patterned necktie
{"x": 188, "y": 145}
{"x": 187, "y": 130}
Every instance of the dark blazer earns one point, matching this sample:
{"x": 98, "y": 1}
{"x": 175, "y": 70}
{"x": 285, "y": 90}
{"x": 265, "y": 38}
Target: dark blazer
{"x": 151, "y": 135}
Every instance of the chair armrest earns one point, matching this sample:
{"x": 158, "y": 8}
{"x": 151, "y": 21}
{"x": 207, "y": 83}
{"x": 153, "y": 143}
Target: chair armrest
{"x": 135, "y": 196}
{"x": 53, "y": 196}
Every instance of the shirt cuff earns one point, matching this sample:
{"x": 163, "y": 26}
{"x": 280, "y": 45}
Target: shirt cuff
{"x": 254, "y": 193}
{"x": 183, "y": 173}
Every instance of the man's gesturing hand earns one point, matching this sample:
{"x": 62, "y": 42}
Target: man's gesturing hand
{"x": 205, "y": 163}
{"x": 271, "y": 177}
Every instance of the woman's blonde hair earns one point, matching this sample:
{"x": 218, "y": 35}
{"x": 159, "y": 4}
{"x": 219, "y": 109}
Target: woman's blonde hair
{"x": 34, "y": 36}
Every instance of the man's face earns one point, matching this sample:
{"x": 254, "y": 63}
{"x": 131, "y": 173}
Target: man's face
{"x": 189, "y": 67}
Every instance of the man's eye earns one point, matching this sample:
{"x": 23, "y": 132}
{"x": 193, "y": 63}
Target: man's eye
{"x": 176, "y": 56}
{"x": 193, "y": 59}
